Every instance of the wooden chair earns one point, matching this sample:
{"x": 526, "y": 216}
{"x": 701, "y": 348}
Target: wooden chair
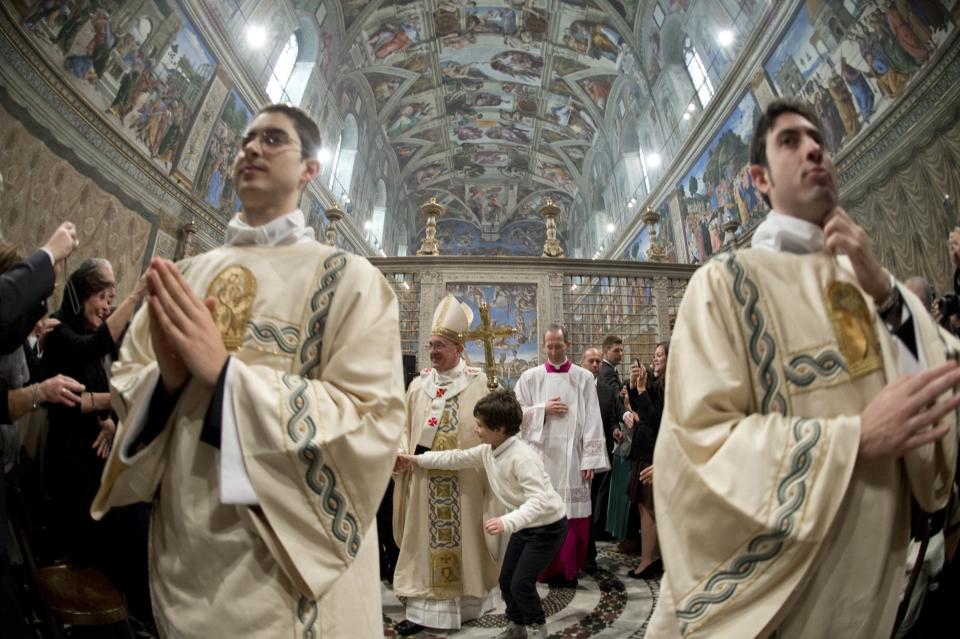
{"x": 75, "y": 595}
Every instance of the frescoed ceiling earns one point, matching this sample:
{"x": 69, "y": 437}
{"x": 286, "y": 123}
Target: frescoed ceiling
{"x": 490, "y": 106}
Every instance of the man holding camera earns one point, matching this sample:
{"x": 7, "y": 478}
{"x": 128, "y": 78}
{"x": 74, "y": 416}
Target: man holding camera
{"x": 809, "y": 399}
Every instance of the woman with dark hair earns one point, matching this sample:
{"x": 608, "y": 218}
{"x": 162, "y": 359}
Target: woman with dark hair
{"x": 80, "y": 436}
{"x": 646, "y": 400}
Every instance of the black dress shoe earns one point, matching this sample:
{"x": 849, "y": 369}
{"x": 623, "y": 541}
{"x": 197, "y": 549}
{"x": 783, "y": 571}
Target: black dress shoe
{"x": 649, "y": 572}
{"x": 407, "y": 627}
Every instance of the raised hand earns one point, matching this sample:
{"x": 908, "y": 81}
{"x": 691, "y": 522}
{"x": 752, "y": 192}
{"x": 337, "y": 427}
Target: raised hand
{"x": 635, "y": 374}
{"x": 63, "y": 242}
{"x": 843, "y": 234}
{"x": 642, "y": 379}
{"x": 173, "y": 372}
{"x": 954, "y": 244}
{"x": 186, "y": 322}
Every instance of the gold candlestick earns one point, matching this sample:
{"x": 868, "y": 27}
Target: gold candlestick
{"x": 551, "y": 245}
{"x": 334, "y": 214}
{"x": 430, "y": 245}
{"x": 655, "y": 252}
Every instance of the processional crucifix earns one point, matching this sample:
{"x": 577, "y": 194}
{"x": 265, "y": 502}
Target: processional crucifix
{"x": 486, "y": 334}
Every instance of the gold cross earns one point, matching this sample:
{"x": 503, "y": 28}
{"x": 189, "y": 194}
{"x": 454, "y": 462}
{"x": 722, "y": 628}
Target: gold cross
{"x": 486, "y": 334}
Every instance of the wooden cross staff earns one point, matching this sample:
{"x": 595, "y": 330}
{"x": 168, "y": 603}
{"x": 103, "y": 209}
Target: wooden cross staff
{"x": 486, "y": 334}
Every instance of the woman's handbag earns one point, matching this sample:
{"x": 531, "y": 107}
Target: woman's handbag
{"x": 622, "y": 447}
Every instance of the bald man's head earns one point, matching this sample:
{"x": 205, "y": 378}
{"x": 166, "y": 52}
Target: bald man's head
{"x": 591, "y": 361}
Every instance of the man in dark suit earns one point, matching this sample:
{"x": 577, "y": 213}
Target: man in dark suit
{"x": 24, "y": 288}
{"x": 611, "y": 408}
{"x": 612, "y": 356}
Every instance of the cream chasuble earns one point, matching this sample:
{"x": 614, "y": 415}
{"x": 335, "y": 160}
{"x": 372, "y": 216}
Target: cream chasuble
{"x": 315, "y": 406}
{"x": 567, "y": 444}
{"x": 767, "y": 521}
{"x": 438, "y": 514}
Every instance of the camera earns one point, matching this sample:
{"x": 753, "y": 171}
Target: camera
{"x": 949, "y": 305}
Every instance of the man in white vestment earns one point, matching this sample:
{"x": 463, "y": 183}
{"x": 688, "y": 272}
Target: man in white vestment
{"x": 808, "y": 397}
{"x": 446, "y": 569}
{"x": 262, "y": 421}
{"x": 561, "y": 420}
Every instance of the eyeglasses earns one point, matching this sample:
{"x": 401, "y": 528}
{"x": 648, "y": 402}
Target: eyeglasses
{"x": 271, "y": 141}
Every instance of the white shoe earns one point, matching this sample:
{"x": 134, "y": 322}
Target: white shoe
{"x": 513, "y": 631}
{"x": 538, "y": 631}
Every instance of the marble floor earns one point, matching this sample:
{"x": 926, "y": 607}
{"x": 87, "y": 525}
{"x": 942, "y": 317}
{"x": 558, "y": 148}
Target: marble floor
{"x": 608, "y": 604}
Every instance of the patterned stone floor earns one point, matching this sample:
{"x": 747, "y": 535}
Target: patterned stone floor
{"x": 608, "y": 604}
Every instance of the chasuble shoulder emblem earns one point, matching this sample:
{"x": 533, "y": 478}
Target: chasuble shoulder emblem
{"x": 234, "y": 288}
{"x": 854, "y": 329}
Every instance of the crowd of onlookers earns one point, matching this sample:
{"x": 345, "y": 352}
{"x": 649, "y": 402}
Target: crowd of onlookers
{"x": 622, "y": 498}
{"x": 54, "y": 375}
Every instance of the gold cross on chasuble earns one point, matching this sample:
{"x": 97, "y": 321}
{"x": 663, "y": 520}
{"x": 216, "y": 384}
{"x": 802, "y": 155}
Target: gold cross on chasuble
{"x": 486, "y": 334}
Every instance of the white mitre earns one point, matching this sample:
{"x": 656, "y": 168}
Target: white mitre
{"x": 451, "y": 318}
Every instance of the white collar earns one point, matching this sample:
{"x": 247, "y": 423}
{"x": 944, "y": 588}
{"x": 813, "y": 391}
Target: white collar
{"x": 504, "y": 445}
{"x": 286, "y": 229}
{"x": 452, "y": 373}
{"x": 790, "y": 234}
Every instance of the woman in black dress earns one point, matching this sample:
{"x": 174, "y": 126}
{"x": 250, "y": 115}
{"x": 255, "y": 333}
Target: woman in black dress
{"x": 646, "y": 399}
{"x": 82, "y": 347}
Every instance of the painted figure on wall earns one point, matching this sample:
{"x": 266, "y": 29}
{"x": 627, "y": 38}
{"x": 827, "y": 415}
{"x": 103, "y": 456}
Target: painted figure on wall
{"x": 394, "y": 36}
{"x": 119, "y": 61}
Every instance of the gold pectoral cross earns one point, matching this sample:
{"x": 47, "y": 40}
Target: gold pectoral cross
{"x": 486, "y": 334}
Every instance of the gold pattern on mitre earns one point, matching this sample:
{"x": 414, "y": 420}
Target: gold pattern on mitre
{"x": 854, "y": 329}
{"x": 451, "y": 318}
{"x": 234, "y": 289}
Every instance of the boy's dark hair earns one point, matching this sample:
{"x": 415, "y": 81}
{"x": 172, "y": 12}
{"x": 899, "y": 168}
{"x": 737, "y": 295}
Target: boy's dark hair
{"x": 758, "y": 144}
{"x": 609, "y": 341}
{"x": 303, "y": 124}
{"x": 500, "y": 410}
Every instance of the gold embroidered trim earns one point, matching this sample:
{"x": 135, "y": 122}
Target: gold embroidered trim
{"x": 234, "y": 288}
{"x": 854, "y": 329}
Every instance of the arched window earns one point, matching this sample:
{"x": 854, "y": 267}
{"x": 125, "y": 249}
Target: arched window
{"x": 282, "y": 70}
{"x": 379, "y": 213}
{"x": 291, "y": 74}
{"x": 343, "y": 160}
{"x": 698, "y": 72}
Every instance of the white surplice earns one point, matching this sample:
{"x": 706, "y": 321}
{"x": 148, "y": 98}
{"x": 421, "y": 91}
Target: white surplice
{"x": 567, "y": 444}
